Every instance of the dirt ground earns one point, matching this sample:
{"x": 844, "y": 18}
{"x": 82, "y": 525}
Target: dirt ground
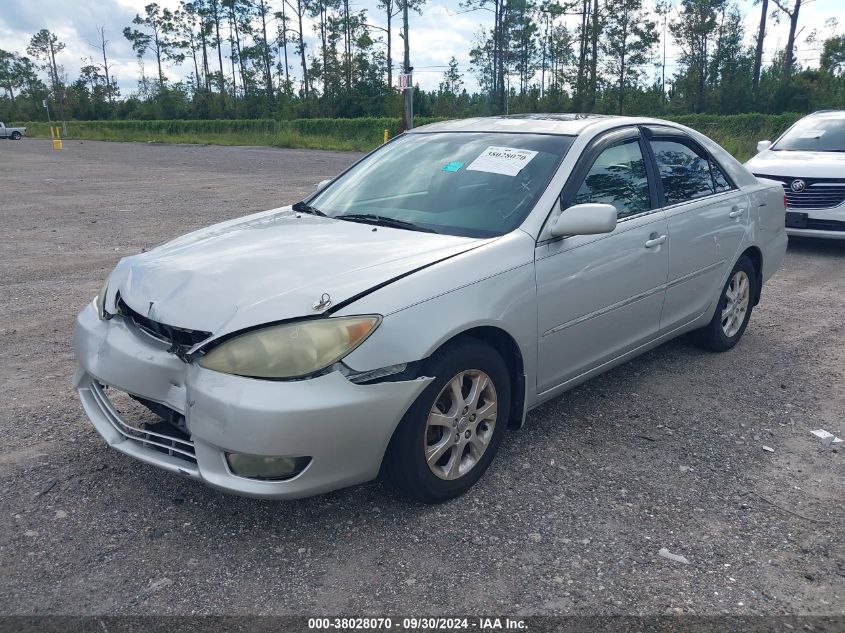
{"x": 664, "y": 451}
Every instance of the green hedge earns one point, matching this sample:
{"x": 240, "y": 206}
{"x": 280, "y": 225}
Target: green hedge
{"x": 363, "y": 133}
{"x": 737, "y": 133}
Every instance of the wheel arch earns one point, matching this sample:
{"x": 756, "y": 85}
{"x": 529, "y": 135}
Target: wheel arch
{"x": 509, "y": 350}
{"x": 756, "y": 256}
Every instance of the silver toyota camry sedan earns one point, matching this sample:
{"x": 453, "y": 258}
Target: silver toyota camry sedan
{"x": 401, "y": 317}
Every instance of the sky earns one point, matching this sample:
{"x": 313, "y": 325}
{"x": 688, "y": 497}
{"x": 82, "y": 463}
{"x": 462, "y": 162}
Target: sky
{"x": 442, "y": 31}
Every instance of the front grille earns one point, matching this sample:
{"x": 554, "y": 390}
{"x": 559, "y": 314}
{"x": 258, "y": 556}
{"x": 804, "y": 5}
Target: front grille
{"x": 136, "y": 422}
{"x": 818, "y": 193}
{"x": 167, "y": 333}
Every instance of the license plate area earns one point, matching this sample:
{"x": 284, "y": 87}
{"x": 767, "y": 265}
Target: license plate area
{"x": 796, "y": 220}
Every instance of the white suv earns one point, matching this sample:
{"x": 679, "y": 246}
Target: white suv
{"x": 809, "y": 161}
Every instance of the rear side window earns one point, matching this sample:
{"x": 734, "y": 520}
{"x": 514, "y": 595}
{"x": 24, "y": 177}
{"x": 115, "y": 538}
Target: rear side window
{"x": 685, "y": 172}
{"x": 719, "y": 179}
{"x": 618, "y": 177}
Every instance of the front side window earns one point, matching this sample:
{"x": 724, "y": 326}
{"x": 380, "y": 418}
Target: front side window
{"x": 618, "y": 177}
{"x": 684, "y": 172}
{"x": 476, "y": 184}
{"x": 819, "y": 133}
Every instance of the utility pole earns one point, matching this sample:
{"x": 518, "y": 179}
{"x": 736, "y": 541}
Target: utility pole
{"x": 408, "y": 113}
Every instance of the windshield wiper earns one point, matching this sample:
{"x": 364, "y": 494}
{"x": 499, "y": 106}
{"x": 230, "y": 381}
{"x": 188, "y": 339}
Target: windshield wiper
{"x": 381, "y": 220}
{"x": 304, "y": 207}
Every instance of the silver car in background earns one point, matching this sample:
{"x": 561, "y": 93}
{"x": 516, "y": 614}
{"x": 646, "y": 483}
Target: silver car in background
{"x": 405, "y": 314}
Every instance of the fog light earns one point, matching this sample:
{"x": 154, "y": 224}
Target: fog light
{"x": 267, "y": 468}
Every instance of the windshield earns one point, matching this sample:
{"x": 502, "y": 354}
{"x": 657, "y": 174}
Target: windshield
{"x": 815, "y": 134}
{"x": 460, "y": 183}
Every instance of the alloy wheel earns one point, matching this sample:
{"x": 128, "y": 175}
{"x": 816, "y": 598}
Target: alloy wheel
{"x": 460, "y": 425}
{"x": 737, "y": 297}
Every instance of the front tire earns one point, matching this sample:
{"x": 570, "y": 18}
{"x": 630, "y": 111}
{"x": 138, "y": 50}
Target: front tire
{"x": 733, "y": 310}
{"x": 16, "y": 136}
{"x": 451, "y": 433}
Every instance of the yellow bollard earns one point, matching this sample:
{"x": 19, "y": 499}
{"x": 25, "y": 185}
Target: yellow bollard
{"x": 57, "y": 141}
{"x": 386, "y": 135}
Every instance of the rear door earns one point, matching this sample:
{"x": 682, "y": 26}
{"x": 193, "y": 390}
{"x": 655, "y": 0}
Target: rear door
{"x": 599, "y": 296}
{"x": 707, "y": 216}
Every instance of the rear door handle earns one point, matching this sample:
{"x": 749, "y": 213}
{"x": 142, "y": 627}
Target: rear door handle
{"x": 736, "y": 212}
{"x": 656, "y": 240}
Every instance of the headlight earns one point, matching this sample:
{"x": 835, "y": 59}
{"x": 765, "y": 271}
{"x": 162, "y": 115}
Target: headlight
{"x": 291, "y": 350}
{"x": 101, "y": 300}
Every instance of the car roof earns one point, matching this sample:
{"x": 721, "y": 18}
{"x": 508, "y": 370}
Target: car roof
{"x": 829, "y": 114}
{"x": 539, "y": 123}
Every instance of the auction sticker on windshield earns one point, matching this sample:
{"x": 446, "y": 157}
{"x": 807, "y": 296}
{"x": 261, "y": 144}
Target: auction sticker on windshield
{"x": 507, "y": 161}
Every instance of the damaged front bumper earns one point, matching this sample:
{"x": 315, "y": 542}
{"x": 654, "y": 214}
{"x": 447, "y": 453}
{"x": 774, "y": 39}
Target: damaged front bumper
{"x": 344, "y": 428}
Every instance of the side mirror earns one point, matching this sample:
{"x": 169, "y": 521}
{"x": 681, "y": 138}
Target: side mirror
{"x": 762, "y": 146}
{"x": 322, "y": 184}
{"x": 585, "y": 219}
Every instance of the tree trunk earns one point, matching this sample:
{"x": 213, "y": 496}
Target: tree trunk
{"x": 347, "y": 46}
{"x": 204, "y": 42}
{"x": 702, "y": 77}
{"x": 543, "y": 62}
{"x": 57, "y": 88}
{"x": 502, "y": 48}
{"x": 325, "y": 44}
{"x": 758, "y": 52}
{"x": 389, "y": 46}
{"x": 268, "y": 77}
{"x": 594, "y": 59}
{"x": 580, "y": 83}
{"x": 234, "y": 18}
{"x": 789, "y": 59}
{"x": 106, "y": 65}
{"x": 285, "y": 42}
{"x": 157, "y": 42}
{"x": 193, "y": 45}
{"x": 232, "y": 59}
{"x": 219, "y": 51}
{"x": 302, "y": 50}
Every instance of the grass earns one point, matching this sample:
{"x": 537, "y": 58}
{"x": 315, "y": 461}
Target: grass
{"x": 736, "y": 133}
{"x": 194, "y": 132}
{"x": 739, "y": 133}
{"x": 289, "y": 139}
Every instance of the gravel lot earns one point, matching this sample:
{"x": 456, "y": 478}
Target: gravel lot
{"x": 665, "y": 451}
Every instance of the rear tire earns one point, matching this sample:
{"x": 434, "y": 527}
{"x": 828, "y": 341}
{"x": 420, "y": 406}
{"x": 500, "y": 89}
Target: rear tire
{"x": 733, "y": 310}
{"x": 16, "y": 136}
{"x": 446, "y": 441}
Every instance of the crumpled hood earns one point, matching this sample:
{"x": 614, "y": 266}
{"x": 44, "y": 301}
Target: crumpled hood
{"x": 797, "y": 164}
{"x": 268, "y": 267}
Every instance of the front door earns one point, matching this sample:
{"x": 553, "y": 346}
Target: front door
{"x": 601, "y": 295}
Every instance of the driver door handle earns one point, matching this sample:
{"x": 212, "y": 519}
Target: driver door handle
{"x": 656, "y": 240}
{"x": 736, "y": 212}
